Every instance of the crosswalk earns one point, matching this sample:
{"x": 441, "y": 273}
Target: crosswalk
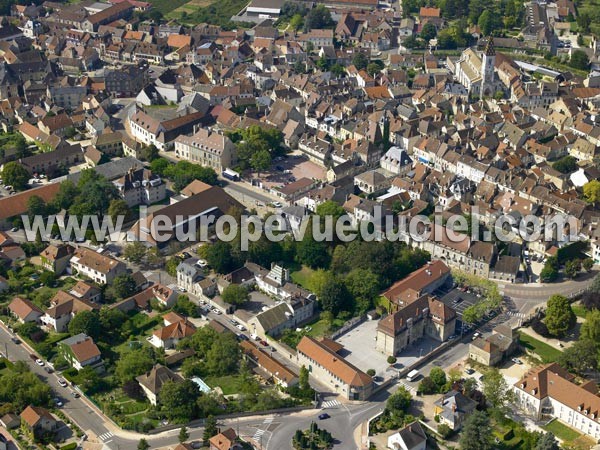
{"x": 330, "y": 404}
{"x": 259, "y": 432}
{"x": 518, "y": 314}
{"x": 106, "y": 436}
{"x": 408, "y": 387}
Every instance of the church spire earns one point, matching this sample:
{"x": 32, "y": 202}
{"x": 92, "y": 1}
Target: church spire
{"x": 489, "y": 47}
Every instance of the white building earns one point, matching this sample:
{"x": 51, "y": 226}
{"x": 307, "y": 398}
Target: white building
{"x": 95, "y": 266}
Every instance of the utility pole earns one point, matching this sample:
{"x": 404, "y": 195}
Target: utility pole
{"x": 6, "y": 350}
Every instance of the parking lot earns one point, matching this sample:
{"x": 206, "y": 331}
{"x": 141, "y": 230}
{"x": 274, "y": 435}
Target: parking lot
{"x": 459, "y": 301}
{"x": 286, "y": 170}
{"x": 359, "y": 349}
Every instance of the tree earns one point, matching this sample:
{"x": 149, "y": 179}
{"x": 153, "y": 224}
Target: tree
{"x": 332, "y": 209}
{"x": 172, "y": 264}
{"x": 178, "y": 400}
{"x": 220, "y": 257}
{"x": 48, "y": 278}
{"x": 398, "y": 403}
{"x": 143, "y": 444}
{"x": 438, "y": 376}
{"x": 134, "y": 252}
{"x": 591, "y": 191}
{"x": 296, "y": 22}
{"x": 364, "y": 287}
{"x": 581, "y": 357}
{"x": 547, "y": 442}
{"x": 132, "y": 389}
{"x": 183, "y": 434}
{"x": 303, "y": 378}
{"x": 360, "y": 61}
{"x": 261, "y": 161}
{"x": 588, "y": 264}
{"x": 235, "y": 294}
{"x": 579, "y": 60}
{"x": 559, "y": 316}
{"x": 374, "y": 68}
{"x": 133, "y": 364}
{"x": 338, "y": 70}
{"x": 15, "y": 175}
{"x": 159, "y": 166}
{"x": 548, "y": 273}
{"x": 312, "y": 253}
{"x": 477, "y": 432}
{"x": 567, "y": 164}
{"x": 486, "y": 22}
{"x": 86, "y": 322}
{"x": 496, "y": 390}
{"x": 149, "y": 153}
{"x": 123, "y": 286}
{"x": 36, "y": 207}
{"x": 591, "y": 300}
{"x": 427, "y": 386}
{"x": 428, "y": 32}
{"x": 223, "y": 357}
{"x": 334, "y": 297}
{"x": 118, "y": 208}
{"x": 185, "y": 306}
{"x": 572, "y": 268}
{"x": 319, "y": 17}
{"x": 444, "y": 430}
{"x": 210, "y": 428}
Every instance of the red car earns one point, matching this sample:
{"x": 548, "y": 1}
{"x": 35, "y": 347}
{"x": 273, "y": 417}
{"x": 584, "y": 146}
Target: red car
{"x": 265, "y": 343}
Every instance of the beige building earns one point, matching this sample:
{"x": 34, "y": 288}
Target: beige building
{"x": 95, "y": 266}
{"x": 325, "y": 364}
{"x": 140, "y": 187}
{"x": 493, "y": 349}
{"x": 424, "y": 316}
{"x": 207, "y": 148}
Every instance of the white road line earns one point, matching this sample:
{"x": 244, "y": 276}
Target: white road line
{"x": 330, "y": 404}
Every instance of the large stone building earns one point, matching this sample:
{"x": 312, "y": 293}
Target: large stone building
{"x": 476, "y": 71}
{"x": 493, "y": 349}
{"x": 140, "y": 187}
{"x": 423, "y": 316}
{"x": 325, "y": 364}
{"x": 549, "y": 392}
{"x": 207, "y": 148}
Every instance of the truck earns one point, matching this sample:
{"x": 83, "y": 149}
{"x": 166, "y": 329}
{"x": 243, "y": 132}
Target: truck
{"x": 231, "y": 174}
{"x": 412, "y": 375}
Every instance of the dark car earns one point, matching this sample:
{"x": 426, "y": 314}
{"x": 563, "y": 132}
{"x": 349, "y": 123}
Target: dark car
{"x": 279, "y": 168}
{"x": 75, "y": 394}
{"x": 265, "y": 343}
{"x": 469, "y": 371}
{"x": 15, "y": 340}
{"x": 324, "y": 416}
{"x": 48, "y": 369}
{"x": 33, "y": 357}
{"x": 243, "y": 337}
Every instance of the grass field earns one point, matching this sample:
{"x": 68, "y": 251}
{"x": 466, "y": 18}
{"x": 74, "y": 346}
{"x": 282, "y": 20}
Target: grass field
{"x": 302, "y": 276}
{"x": 562, "y": 431}
{"x": 229, "y": 384}
{"x": 189, "y": 8}
{"x": 166, "y": 6}
{"x": 579, "y": 310}
{"x": 546, "y": 352}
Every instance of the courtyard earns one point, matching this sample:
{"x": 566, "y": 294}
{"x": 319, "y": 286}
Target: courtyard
{"x": 359, "y": 349}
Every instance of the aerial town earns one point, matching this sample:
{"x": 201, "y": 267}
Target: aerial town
{"x": 459, "y": 140}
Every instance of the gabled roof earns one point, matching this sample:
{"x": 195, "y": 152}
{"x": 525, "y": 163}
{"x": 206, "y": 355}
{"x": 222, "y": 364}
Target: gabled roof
{"x": 33, "y": 414}
{"x": 21, "y": 307}
{"x": 332, "y": 362}
{"x": 155, "y": 378}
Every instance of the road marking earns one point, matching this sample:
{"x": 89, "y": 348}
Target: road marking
{"x": 518, "y": 314}
{"x": 105, "y": 436}
{"x": 258, "y": 435}
{"x": 330, "y": 404}
{"x": 268, "y": 420}
{"x": 407, "y": 386}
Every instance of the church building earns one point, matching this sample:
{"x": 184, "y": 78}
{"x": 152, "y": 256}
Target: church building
{"x": 475, "y": 70}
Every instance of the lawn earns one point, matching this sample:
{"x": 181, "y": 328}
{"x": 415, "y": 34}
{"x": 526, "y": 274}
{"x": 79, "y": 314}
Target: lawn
{"x": 229, "y": 384}
{"x": 546, "y": 352}
{"x": 302, "y": 276}
{"x": 166, "y": 6}
{"x": 189, "y": 8}
{"x": 579, "y": 310}
{"x": 561, "y": 431}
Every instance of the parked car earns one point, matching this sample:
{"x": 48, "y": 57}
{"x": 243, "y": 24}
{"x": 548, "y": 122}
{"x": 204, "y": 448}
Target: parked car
{"x": 75, "y": 394}
{"x": 15, "y": 340}
{"x": 242, "y": 337}
{"x": 264, "y": 343}
{"x": 32, "y": 356}
{"x": 201, "y": 263}
{"x": 48, "y": 369}
{"x": 469, "y": 371}
{"x": 240, "y": 327}
{"x": 277, "y": 204}
{"x": 39, "y": 362}
{"x": 452, "y": 337}
{"x": 58, "y": 402}
{"x": 62, "y": 382}
{"x": 324, "y": 416}
{"x": 517, "y": 361}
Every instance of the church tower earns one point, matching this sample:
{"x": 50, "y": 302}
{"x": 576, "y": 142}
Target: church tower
{"x": 487, "y": 67}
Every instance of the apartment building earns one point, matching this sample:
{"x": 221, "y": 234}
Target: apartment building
{"x": 207, "y": 148}
{"x": 95, "y": 266}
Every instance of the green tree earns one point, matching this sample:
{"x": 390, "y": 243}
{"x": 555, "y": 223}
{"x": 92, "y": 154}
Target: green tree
{"x": 36, "y": 207}
{"x": 549, "y": 273}
{"x": 312, "y": 253}
{"x": 296, "y": 22}
{"x": 210, "y": 428}
{"x": 487, "y": 22}
{"x": 364, "y": 287}
{"x": 360, "y": 61}
{"x": 588, "y": 264}
{"x": 444, "y": 430}
{"x": 581, "y": 357}
{"x": 303, "y": 378}
{"x": 172, "y": 264}
{"x": 476, "y": 432}
{"x": 438, "y": 376}
{"x": 159, "y": 166}
{"x": 319, "y": 17}
{"x": 221, "y": 258}
{"x": 567, "y": 164}
{"x": 133, "y": 364}
{"x": 338, "y": 70}
{"x": 143, "y": 444}
{"x": 591, "y": 191}
{"x": 579, "y": 60}
{"x": 496, "y": 390}
{"x": 185, "y": 306}
{"x": 118, "y": 208}
{"x": 547, "y": 442}
{"x": 428, "y": 32}
{"x": 15, "y": 175}
{"x": 261, "y": 161}
{"x": 330, "y": 208}
{"x": 398, "y": 403}
{"x": 178, "y": 400}
{"x": 87, "y": 322}
{"x": 223, "y": 357}
{"x": 135, "y": 252}
{"x": 427, "y": 386}
{"x": 123, "y": 286}
{"x": 183, "y": 435}
{"x": 560, "y": 318}
{"x": 572, "y": 268}
{"x": 149, "y": 153}
{"x": 235, "y": 294}
{"x": 374, "y": 68}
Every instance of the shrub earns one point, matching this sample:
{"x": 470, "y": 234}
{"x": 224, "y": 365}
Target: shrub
{"x": 444, "y": 431}
{"x": 371, "y": 372}
{"x": 391, "y": 360}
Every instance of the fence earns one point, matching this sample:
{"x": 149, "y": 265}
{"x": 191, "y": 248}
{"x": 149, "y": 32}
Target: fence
{"x": 350, "y": 324}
